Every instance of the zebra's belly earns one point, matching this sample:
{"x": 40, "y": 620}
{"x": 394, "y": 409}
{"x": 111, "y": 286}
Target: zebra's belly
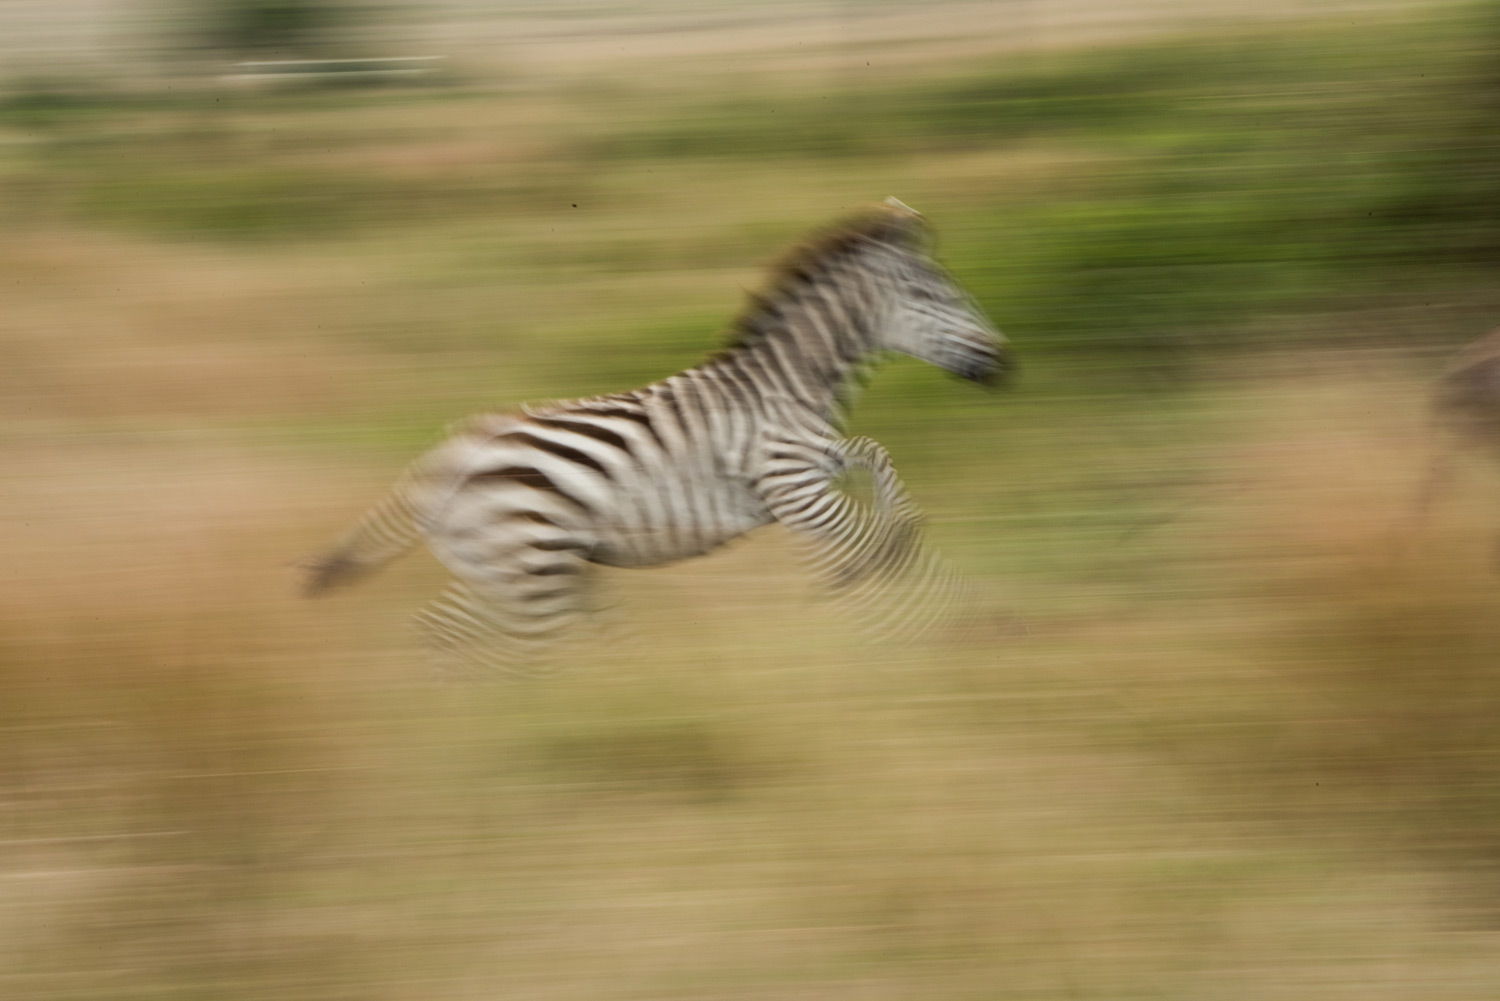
{"x": 635, "y": 546}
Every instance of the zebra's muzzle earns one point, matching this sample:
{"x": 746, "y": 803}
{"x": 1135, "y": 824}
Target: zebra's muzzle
{"x": 994, "y": 372}
{"x": 1001, "y": 373}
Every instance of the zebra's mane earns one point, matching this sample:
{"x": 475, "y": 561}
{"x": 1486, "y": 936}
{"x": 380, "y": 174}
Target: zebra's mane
{"x": 887, "y": 223}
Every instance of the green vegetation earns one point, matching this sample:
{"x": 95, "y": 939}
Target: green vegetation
{"x": 267, "y": 27}
{"x": 1215, "y": 181}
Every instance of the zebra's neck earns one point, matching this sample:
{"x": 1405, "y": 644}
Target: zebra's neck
{"x": 807, "y": 342}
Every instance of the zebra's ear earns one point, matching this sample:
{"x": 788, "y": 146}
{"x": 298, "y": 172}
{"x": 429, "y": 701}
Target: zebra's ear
{"x": 897, "y": 222}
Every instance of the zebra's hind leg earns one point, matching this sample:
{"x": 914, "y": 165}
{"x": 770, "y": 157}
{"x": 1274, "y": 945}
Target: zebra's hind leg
{"x": 511, "y": 620}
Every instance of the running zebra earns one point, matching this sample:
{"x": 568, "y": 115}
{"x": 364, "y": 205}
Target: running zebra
{"x": 1465, "y": 418}
{"x": 519, "y": 505}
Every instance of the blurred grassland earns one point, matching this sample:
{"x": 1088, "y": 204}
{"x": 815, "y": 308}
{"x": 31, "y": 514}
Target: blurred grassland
{"x": 1224, "y": 734}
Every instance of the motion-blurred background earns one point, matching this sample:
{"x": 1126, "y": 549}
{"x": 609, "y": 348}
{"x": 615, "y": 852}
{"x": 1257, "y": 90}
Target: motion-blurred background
{"x": 1231, "y": 733}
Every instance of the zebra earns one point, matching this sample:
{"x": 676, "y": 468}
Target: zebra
{"x": 520, "y": 505}
{"x": 1464, "y": 411}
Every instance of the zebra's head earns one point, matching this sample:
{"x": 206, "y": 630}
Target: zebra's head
{"x": 927, "y": 314}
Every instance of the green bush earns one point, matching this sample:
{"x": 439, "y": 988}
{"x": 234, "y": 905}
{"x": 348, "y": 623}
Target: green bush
{"x": 254, "y": 27}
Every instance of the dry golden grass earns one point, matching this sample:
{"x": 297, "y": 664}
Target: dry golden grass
{"x": 218, "y": 790}
{"x": 1379, "y": 677}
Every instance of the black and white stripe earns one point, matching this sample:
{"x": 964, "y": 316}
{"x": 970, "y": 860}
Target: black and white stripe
{"x": 520, "y": 506}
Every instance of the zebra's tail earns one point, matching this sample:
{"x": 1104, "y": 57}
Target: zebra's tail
{"x": 414, "y": 505}
{"x": 382, "y": 534}
{"x": 390, "y": 528}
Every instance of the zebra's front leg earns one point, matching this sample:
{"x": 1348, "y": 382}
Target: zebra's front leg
{"x": 899, "y": 539}
{"x": 851, "y": 542}
{"x": 871, "y": 557}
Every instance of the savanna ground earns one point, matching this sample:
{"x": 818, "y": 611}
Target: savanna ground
{"x": 1227, "y": 734}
